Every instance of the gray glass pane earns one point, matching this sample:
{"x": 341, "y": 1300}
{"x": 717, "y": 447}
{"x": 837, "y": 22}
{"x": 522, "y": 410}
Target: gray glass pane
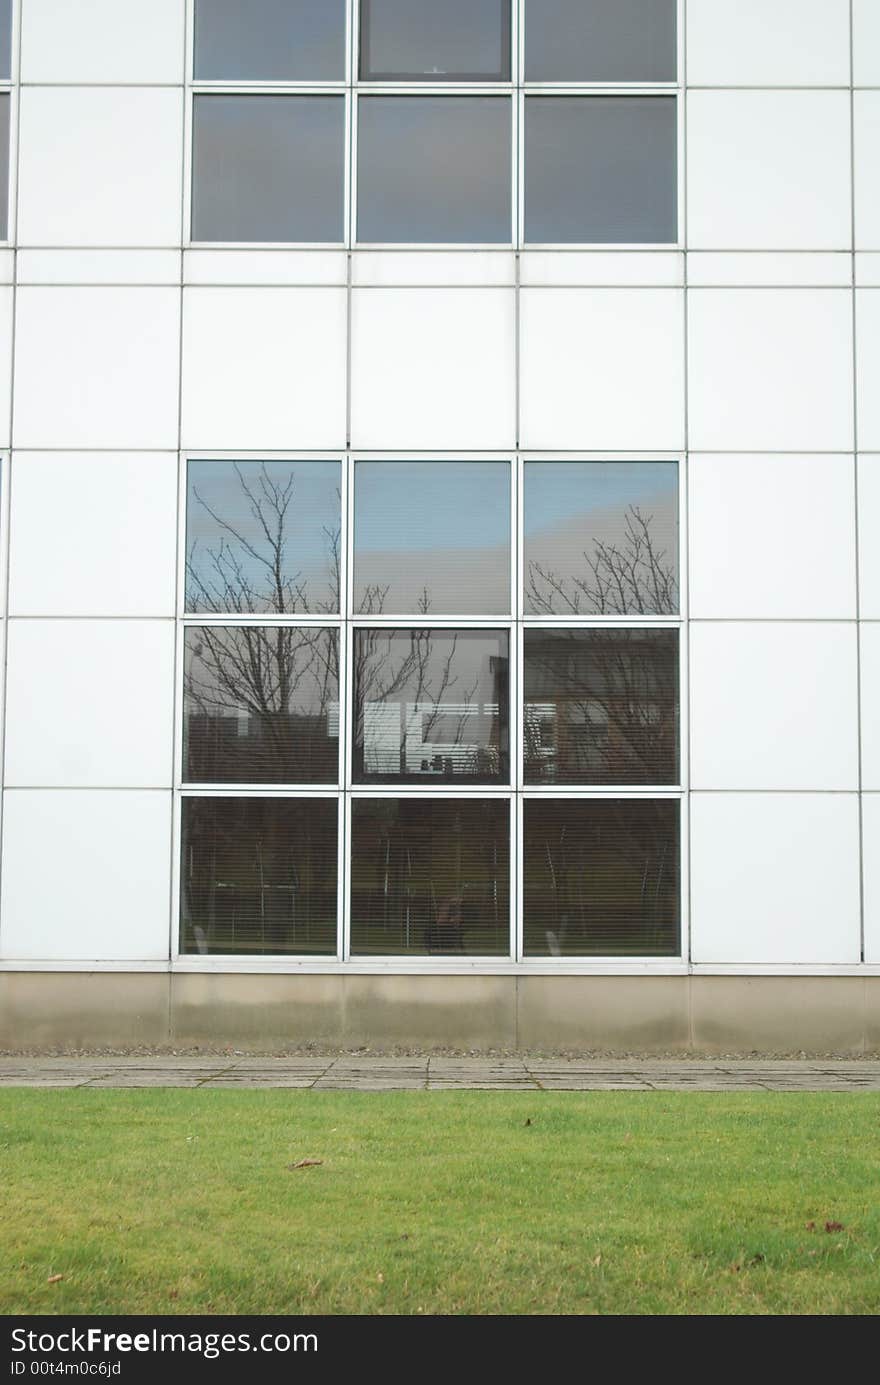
{"x": 435, "y": 40}
{"x": 4, "y": 166}
{"x": 260, "y": 705}
{"x": 270, "y": 40}
{"x": 262, "y": 537}
{"x": 600, "y": 877}
{"x": 430, "y": 705}
{"x": 601, "y": 169}
{"x": 600, "y": 40}
{"x": 432, "y": 537}
{"x": 268, "y": 168}
{"x": 601, "y": 706}
{"x": 430, "y": 877}
{"x": 601, "y": 538}
{"x": 6, "y": 38}
{"x": 434, "y": 168}
{"x": 258, "y": 875}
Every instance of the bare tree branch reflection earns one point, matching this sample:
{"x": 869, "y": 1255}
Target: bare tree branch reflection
{"x": 633, "y": 577}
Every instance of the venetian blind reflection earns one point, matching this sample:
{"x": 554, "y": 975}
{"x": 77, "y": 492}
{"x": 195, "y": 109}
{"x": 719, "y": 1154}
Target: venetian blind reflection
{"x": 601, "y": 538}
{"x": 430, "y": 705}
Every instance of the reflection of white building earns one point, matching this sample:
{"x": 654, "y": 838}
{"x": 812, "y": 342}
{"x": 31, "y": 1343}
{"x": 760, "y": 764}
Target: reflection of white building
{"x": 192, "y": 275}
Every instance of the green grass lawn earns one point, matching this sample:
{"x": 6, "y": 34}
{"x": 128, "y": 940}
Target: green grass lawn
{"x": 447, "y": 1202}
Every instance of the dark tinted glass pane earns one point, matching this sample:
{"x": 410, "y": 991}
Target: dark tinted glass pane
{"x": 270, "y": 40}
{"x": 601, "y": 538}
{"x": 600, "y": 40}
{"x": 268, "y": 168}
{"x": 262, "y": 537}
{"x": 260, "y": 705}
{"x": 430, "y": 876}
{"x": 4, "y": 166}
{"x": 601, "y": 877}
{"x": 258, "y": 875}
{"x": 430, "y": 705}
{"x": 6, "y": 38}
{"x": 601, "y": 169}
{"x": 435, "y": 40}
{"x": 601, "y": 706}
{"x": 432, "y": 537}
{"x": 434, "y": 168}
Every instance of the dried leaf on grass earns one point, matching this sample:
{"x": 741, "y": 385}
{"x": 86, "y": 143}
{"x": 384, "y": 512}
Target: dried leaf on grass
{"x": 306, "y": 1164}
{"x": 54, "y": 1278}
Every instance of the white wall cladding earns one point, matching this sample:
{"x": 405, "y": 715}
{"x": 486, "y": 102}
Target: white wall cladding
{"x": 745, "y": 350}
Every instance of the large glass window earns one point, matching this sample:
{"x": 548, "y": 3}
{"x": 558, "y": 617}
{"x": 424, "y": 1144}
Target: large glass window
{"x": 438, "y": 127}
{"x": 601, "y": 877}
{"x": 270, "y": 40}
{"x": 423, "y": 40}
{"x": 258, "y": 876}
{"x": 434, "y": 168}
{"x": 432, "y": 538}
{"x": 601, "y": 538}
{"x": 268, "y": 168}
{"x": 5, "y": 40}
{"x": 430, "y": 877}
{"x": 430, "y": 705}
{"x": 600, "y": 40}
{"x": 497, "y": 772}
{"x": 601, "y": 169}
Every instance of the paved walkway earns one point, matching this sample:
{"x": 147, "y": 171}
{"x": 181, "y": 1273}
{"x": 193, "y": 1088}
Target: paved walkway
{"x": 349, "y": 1072}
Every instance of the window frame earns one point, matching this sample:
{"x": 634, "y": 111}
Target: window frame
{"x": 11, "y": 86}
{"x": 515, "y": 791}
{"x": 517, "y": 90}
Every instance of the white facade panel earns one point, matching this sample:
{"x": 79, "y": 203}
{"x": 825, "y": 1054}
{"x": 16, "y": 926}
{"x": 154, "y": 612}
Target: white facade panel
{"x": 773, "y": 705}
{"x": 89, "y": 703}
{"x": 433, "y": 368}
{"x": 86, "y": 875}
{"x": 768, "y": 42}
{"x": 775, "y": 878}
{"x": 108, "y": 359}
{"x": 866, "y": 43}
{"x": 770, "y": 370}
{"x": 93, "y": 534}
{"x": 768, "y": 170}
{"x": 103, "y": 41}
{"x": 100, "y": 166}
{"x": 264, "y": 368}
{"x": 866, "y": 148}
{"x": 868, "y": 348}
{"x": 869, "y": 528}
{"x": 756, "y": 526}
{"x": 871, "y": 868}
{"x": 602, "y": 368}
{"x": 869, "y": 664}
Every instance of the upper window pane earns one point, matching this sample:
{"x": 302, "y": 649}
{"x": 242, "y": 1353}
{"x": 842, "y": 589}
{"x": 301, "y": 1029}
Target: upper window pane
{"x": 601, "y": 169}
{"x": 601, "y": 706}
{"x": 601, "y": 538}
{"x": 262, "y": 537}
{"x": 260, "y": 705}
{"x": 430, "y": 876}
{"x": 434, "y": 168}
{"x": 270, "y": 40}
{"x": 430, "y": 705}
{"x": 5, "y": 39}
{"x": 435, "y": 40}
{"x": 258, "y": 875}
{"x": 432, "y": 537}
{"x": 600, "y": 877}
{"x": 600, "y": 40}
{"x": 268, "y": 168}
